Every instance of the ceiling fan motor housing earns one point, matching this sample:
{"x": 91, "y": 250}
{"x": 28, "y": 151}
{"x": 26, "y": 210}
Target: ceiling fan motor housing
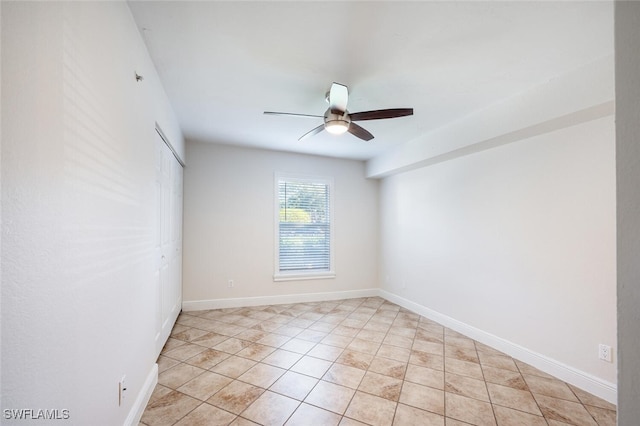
{"x": 336, "y": 122}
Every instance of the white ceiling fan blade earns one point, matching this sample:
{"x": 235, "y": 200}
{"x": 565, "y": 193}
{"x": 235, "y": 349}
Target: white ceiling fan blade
{"x": 338, "y": 97}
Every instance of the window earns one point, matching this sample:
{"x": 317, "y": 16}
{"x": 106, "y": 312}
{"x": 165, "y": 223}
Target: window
{"x": 304, "y": 240}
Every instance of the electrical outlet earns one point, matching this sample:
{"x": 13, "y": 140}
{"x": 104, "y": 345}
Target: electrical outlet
{"x": 230, "y": 283}
{"x": 122, "y": 388}
{"x": 604, "y": 352}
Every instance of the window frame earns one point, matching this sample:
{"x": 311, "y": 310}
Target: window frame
{"x": 312, "y": 274}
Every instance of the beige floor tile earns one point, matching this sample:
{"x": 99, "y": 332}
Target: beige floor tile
{"x": 300, "y": 322}
{"x": 207, "y": 415}
{"x": 275, "y": 340}
{"x": 159, "y": 391}
{"x": 205, "y": 385}
{"x": 307, "y": 414}
{"x": 428, "y": 347}
{"x": 363, "y": 346}
{"x": 178, "y": 328}
{"x": 531, "y": 371}
{"x": 330, "y": 396}
{"x": 168, "y": 409}
{"x": 228, "y": 329}
{"x": 322, "y": 326}
{"x": 371, "y": 335}
{"x": 448, "y": 421}
{"x": 281, "y": 358}
{"x": 403, "y": 323}
{"x": 185, "y": 351}
{"x": 411, "y": 416}
{"x": 337, "y": 340}
{"x": 165, "y": 363}
{"x": 388, "y": 367}
{"x": 262, "y": 375}
{"x": 289, "y": 330}
{"x": 312, "y": 335}
{"x": 246, "y": 322}
{"x": 346, "y": 421}
{"x": 298, "y": 346}
{"x": 564, "y": 411}
{"x": 233, "y": 367}
{"x": 381, "y": 385}
{"x": 512, "y": 379}
{"x": 513, "y": 398}
{"x": 508, "y": 417}
{"x": 378, "y": 324}
{"x": 396, "y": 361}
{"x": 425, "y": 376}
{"x": 394, "y": 352}
{"x": 326, "y": 352}
{"x": 588, "y": 399}
{"x": 422, "y": 397}
{"x": 235, "y": 397}
{"x": 466, "y": 386}
{"x": 550, "y": 387}
{"x": 603, "y": 416}
{"x": 344, "y": 375}
{"x": 371, "y": 409}
{"x": 294, "y": 385}
{"x": 431, "y": 327}
{"x": 232, "y": 345}
{"x": 271, "y": 409}
{"x": 207, "y": 358}
{"x": 469, "y": 410}
{"x": 458, "y": 340}
{"x": 256, "y": 352}
{"x": 346, "y": 331}
{"x": 428, "y": 336}
{"x": 189, "y": 334}
{"x": 463, "y": 368}
{"x": 463, "y": 354}
{"x": 251, "y": 335}
{"x": 398, "y": 341}
{"x": 424, "y": 359}
{"x": 172, "y": 344}
{"x": 311, "y": 366}
{"x": 497, "y": 361}
{"x": 267, "y": 326}
{"x": 178, "y": 375}
{"x": 355, "y": 359}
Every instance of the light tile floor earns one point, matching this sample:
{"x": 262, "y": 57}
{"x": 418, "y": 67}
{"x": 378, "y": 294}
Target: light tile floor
{"x": 350, "y": 362}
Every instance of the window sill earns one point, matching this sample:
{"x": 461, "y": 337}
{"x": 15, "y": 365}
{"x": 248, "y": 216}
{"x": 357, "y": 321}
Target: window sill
{"x": 300, "y": 277}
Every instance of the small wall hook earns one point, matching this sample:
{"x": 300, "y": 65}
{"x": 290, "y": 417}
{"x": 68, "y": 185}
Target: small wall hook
{"x": 139, "y": 77}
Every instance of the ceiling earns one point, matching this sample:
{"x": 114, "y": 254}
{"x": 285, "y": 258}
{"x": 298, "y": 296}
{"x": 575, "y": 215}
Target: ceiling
{"x": 223, "y": 63}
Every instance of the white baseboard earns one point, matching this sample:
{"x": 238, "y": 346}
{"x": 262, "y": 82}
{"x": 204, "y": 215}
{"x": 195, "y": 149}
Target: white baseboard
{"x": 598, "y": 387}
{"x": 200, "y": 305}
{"x": 133, "y": 419}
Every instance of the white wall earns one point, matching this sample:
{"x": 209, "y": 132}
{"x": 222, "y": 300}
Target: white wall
{"x": 229, "y": 225}
{"x": 517, "y": 242}
{"x": 78, "y": 208}
{"x": 628, "y": 176}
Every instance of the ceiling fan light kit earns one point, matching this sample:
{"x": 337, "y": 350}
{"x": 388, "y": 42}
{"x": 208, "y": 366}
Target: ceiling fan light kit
{"x": 337, "y": 119}
{"x": 336, "y": 124}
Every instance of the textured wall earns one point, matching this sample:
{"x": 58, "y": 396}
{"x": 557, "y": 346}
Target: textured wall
{"x": 628, "y": 175}
{"x": 517, "y": 241}
{"x": 229, "y": 224}
{"x": 78, "y": 208}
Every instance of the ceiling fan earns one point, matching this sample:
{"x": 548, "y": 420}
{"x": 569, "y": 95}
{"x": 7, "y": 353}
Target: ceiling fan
{"x": 337, "y": 120}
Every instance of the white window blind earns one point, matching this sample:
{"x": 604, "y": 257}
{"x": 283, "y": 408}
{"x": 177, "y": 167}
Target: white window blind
{"x": 304, "y": 226}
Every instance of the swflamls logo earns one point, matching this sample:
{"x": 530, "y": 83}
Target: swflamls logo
{"x": 36, "y": 414}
